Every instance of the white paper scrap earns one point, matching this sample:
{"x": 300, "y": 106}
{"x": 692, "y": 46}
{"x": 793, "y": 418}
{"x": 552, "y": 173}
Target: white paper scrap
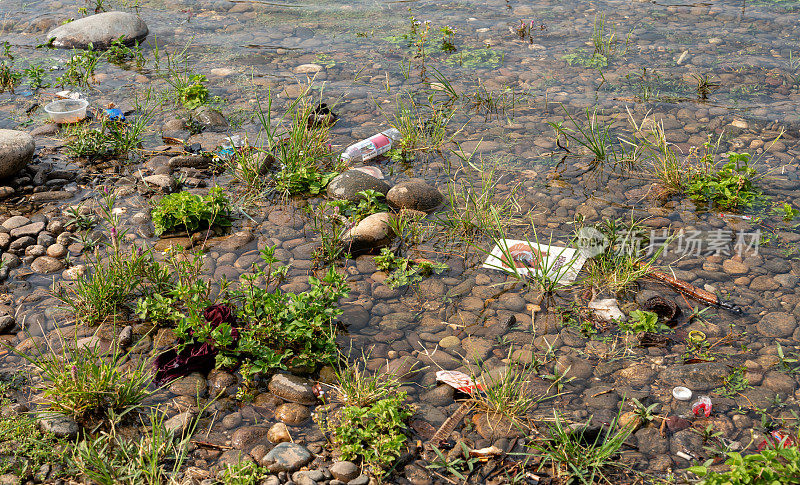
{"x": 558, "y": 262}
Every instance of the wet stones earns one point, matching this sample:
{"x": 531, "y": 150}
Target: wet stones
{"x": 293, "y": 388}
{"x": 292, "y": 413}
{"x": 347, "y": 185}
{"x": 373, "y": 232}
{"x": 415, "y": 194}
{"x": 99, "y": 30}
{"x": 16, "y": 150}
{"x": 777, "y": 325}
{"x": 287, "y": 457}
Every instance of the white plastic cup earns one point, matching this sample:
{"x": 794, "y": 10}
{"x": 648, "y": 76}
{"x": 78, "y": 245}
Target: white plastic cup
{"x": 64, "y": 111}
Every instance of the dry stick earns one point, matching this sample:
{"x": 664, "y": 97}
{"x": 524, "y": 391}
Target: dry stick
{"x": 692, "y": 291}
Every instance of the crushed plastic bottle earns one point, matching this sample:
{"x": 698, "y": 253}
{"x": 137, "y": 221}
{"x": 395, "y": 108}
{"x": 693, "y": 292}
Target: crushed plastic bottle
{"x": 702, "y": 406}
{"x": 371, "y": 147}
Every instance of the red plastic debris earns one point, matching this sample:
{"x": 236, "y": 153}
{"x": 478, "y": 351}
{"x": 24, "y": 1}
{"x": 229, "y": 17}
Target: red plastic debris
{"x": 702, "y": 406}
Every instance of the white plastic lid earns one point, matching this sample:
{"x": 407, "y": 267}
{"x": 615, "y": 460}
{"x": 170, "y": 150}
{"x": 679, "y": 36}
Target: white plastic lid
{"x": 681, "y": 393}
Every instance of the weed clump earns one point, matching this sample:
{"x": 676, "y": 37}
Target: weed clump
{"x": 191, "y": 212}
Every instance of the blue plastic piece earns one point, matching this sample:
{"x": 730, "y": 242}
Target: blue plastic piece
{"x": 114, "y": 114}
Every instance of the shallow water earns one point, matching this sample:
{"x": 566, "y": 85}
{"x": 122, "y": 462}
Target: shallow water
{"x": 751, "y": 51}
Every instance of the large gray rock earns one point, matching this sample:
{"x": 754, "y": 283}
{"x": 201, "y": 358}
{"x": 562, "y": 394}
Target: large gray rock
{"x": 347, "y": 185}
{"x": 16, "y": 150}
{"x": 287, "y": 457}
{"x": 99, "y": 30}
{"x": 373, "y": 232}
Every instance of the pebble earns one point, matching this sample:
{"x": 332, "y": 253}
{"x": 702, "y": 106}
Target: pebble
{"x": 279, "y": 433}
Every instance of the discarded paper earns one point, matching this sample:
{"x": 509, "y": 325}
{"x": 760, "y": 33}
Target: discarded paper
{"x": 561, "y": 263}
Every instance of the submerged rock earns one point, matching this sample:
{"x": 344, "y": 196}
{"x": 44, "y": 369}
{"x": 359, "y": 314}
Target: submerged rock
{"x": 347, "y": 185}
{"x": 99, "y": 30}
{"x": 415, "y": 194}
{"x": 16, "y": 150}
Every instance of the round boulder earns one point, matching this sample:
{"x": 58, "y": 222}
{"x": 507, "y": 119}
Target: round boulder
{"x": 347, "y": 185}
{"x": 293, "y": 388}
{"x": 777, "y": 325}
{"x": 16, "y": 150}
{"x": 415, "y": 194}
{"x": 99, "y": 30}
{"x": 373, "y": 232}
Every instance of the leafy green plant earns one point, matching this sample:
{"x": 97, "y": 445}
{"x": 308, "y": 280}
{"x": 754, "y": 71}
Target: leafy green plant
{"x": 278, "y": 329}
{"x": 460, "y": 466}
{"x": 405, "y": 271}
{"x": 373, "y": 433}
{"x": 119, "y": 53}
{"x": 773, "y": 466}
{"x": 730, "y": 187}
{"x": 245, "y": 472}
{"x": 80, "y": 68}
{"x": 191, "y": 212}
{"x": 446, "y": 43}
{"x": 645, "y": 413}
{"x": 9, "y": 77}
{"x": 734, "y": 383}
{"x": 786, "y": 210}
{"x": 642, "y": 321}
{"x": 193, "y": 93}
{"x": 36, "y": 76}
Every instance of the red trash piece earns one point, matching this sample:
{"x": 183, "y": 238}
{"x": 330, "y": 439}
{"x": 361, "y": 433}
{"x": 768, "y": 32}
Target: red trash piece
{"x": 702, "y": 406}
{"x": 458, "y": 380}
